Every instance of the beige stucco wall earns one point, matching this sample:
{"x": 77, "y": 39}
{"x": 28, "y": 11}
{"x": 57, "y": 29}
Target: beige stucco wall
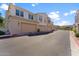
{"x": 42, "y": 28}
{"x": 17, "y": 25}
{"x": 44, "y": 19}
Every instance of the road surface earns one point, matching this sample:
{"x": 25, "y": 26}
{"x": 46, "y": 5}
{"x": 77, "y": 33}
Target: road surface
{"x": 53, "y": 44}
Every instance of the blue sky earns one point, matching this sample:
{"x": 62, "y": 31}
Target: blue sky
{"x": 60, "y": 13}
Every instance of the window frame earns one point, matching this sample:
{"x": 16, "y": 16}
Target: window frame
{"x": 21, "y": 13}
{"x": 40, "y": 18}
{"x": 30, "y": 16}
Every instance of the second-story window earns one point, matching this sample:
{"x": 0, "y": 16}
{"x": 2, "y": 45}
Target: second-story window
{"x": 30, "y": 16}
{"x": 49, "y": 21}
{"x": 21, "y": 13}
{"x": 17, "y": 12}
{"x": 40, "y": 18}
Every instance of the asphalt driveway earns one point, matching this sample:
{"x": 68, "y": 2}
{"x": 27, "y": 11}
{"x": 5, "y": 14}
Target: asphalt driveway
{"x": 53, "y": 44}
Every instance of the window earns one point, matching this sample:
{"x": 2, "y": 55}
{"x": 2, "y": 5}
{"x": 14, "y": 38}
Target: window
{"x": 49, "y": 21}
{"x": 21, "y": 14}
{"x": 17, "y": 12}
{"x": 40, "y": 18}
{"x": 30, "y": 16}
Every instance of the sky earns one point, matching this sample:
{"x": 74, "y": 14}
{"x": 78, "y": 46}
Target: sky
{"x": 60, "y": 13}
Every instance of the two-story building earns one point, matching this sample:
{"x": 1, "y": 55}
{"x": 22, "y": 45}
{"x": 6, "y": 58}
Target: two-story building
{"x": 77, "y": 21}
{"x": 19, "y": 21}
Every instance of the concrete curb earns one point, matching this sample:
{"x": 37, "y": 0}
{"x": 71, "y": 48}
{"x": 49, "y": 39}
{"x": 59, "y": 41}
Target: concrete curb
{"x": 75, "y": 39}
{"x": 74, "y": 45}
{"x": 5, "y": 36}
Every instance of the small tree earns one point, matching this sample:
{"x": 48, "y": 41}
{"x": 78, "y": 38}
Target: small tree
{"x": 1, "y": 21}
{"x": 74, "y": 29}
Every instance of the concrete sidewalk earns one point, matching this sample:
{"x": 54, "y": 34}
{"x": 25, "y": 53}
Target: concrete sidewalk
{"x": 74, "y": 46}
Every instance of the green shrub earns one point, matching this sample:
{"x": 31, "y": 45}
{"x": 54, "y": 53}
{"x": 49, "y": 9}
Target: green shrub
{"x": 77, "y": 34}
{"x": 1, "y": 21}
{"x": 2, "y": 33}
{"x": 74, "y": 30}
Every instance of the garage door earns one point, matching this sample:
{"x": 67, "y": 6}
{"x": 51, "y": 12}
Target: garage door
{"x": 28, "y": 27}
{"x": 13, "y": 27}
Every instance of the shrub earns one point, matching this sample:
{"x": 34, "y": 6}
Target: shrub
{"x": 74, "y": 30}
{"x": 77, "y": 34}
{"x": 2, "y": 33}
{"x": 1, "y": 21}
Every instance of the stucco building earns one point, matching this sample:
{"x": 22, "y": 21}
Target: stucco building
{"x": 20, "y": 21}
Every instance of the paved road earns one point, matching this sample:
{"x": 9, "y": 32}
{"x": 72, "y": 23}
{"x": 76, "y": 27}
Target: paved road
{"x": 53, "y": 44}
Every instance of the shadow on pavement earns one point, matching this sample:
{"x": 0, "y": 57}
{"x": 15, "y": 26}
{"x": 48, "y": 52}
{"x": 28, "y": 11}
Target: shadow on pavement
{"x": 27, "y": 34}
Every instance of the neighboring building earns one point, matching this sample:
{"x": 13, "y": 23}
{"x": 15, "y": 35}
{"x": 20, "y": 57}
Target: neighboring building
{"x": 19, "y": 20}
{"x": 77, "y": 21}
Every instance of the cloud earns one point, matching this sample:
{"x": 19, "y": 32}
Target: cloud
{"x": 34, "y": 4}
{"x": 70, "y": 13}
{"x": 4, "y": 6}
{"x": 73, "y": 12}
{"x": 62, "y": 23}
{"x": 54, "y": 15}
{"x": 57, "y": 11}
{"x": 66, "y": 14}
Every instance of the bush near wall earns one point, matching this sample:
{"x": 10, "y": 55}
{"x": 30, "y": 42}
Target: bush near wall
{"x": 2, "y": 33}
{"x": 74, "y": 30}
{"x": 1, "y": 21}
{"x": 77, "y": 34}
